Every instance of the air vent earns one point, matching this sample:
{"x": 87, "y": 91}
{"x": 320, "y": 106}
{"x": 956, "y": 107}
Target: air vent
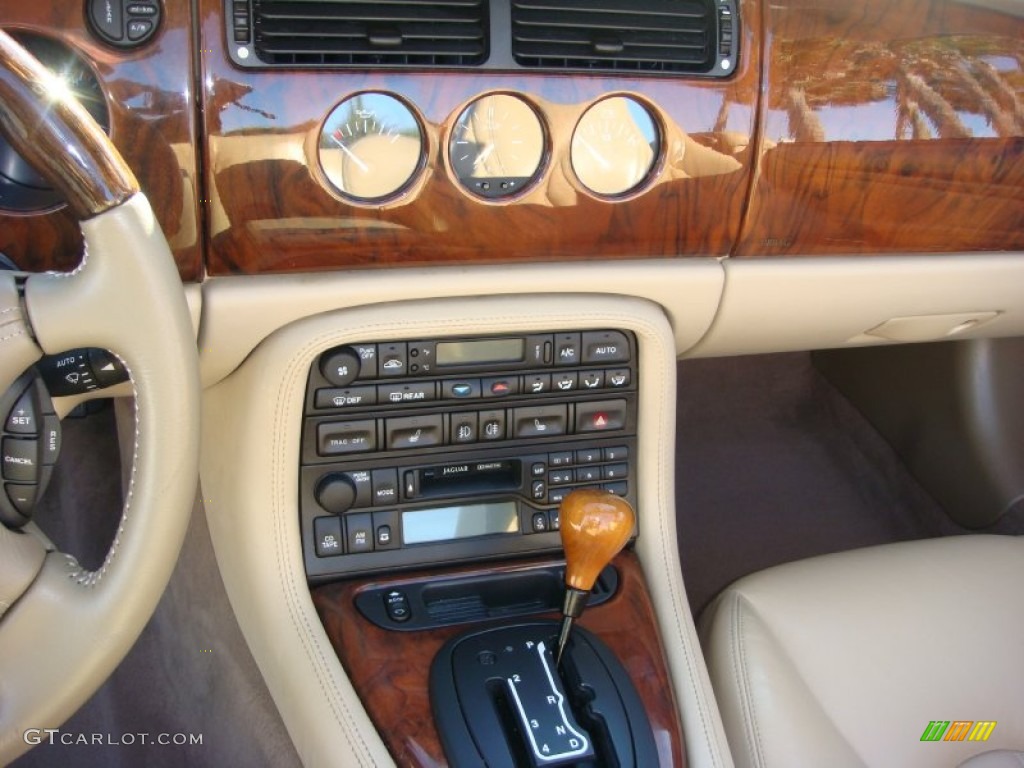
{"x": 623, "y": 35}
{"x": 356, "y": 33}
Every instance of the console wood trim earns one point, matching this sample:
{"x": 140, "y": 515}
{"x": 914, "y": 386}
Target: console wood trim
{"x": 389, "y": 670}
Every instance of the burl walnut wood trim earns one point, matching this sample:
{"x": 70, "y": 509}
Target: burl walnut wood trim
{"x": 389, "y": 670}
{"x": 152, "y": 124}
{"x": 271, "y": 209}
{"x": 888, "y": 126}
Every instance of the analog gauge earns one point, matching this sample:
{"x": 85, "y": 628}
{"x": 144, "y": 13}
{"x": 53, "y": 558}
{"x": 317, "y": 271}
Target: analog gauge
{"x": 21, "y": 186}
{"x": 371, "y": 146}
{"x": 615, "y": 146}
{"x": 496, "y": 146}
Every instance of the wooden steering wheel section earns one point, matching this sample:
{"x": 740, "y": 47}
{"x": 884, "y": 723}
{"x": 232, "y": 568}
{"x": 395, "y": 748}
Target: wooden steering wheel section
{"x": 389, "y": 670}
{"x": 152, "y": 124}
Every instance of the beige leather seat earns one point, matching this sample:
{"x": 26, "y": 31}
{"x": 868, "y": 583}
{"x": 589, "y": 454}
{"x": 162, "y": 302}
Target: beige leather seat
{"x": 847, "y": 659}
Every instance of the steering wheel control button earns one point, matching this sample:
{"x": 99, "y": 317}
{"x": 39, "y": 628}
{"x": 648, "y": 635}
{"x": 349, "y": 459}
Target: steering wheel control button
{"x": 22, "y": 497}
{"x": 396, "y": 603}
{"x": 107, "y": 369}
{"x": 360, "y": 532}
{"x": 340, "y": 366}
{"x": 124, "y": 23}
{"x": 344, "y": 437}
{"x": 414, "y": 432}
{"x": 50, "y": 439}
{"x": 327, "y": 534}
{"x": 20, "y": 460}
{"x": 22, "y": 420}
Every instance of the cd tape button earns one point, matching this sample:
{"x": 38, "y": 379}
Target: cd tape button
{"x": 541, "y": 421}
{"x": 413, "y": 432}
{"x": 327, "y": 535}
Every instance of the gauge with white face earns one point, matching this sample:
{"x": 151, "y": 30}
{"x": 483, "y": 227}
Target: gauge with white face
{"x": 497, "y": 146}
{"x": 371, "y": 146}
{"x": 615, "y": 146}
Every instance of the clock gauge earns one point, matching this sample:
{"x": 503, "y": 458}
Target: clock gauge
{"x": 497, "y": 146}
{"x": 615, "y": 146}
{"x": 371, "y": 147}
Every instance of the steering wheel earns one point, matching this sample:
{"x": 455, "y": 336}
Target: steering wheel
{"x": 64, "y": 629}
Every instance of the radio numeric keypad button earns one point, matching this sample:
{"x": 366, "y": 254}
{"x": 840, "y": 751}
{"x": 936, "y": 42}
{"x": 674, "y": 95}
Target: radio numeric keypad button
{"x": 560, "y": 459}
{"x": 588, "y": 456}
{"x": 619, "y": 489}
{"x": 614, "y": 472}
{"x": 588, "y": 474}
{"x": 560, "y": 476}
{"x": 617, "y": 453}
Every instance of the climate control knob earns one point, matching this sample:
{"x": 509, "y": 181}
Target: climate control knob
{"x": 340, "y": 366}
{"x": 336, "y": 492}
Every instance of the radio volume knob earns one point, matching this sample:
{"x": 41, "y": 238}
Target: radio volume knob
{"x": 340, "y": 366}
{"x": 336, "y": 492}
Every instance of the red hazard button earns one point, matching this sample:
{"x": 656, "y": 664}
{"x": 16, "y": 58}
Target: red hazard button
{"x": 601, "y": 416}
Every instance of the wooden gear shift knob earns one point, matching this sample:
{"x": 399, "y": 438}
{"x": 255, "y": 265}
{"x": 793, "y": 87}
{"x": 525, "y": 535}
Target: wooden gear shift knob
{"x": 594, "y": 525}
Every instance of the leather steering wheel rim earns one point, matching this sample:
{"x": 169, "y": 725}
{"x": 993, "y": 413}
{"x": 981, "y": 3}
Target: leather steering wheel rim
{"x": 64, "y": 629}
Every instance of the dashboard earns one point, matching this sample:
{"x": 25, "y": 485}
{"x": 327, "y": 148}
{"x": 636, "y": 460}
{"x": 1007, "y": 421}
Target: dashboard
{"x": 554, "y": 201}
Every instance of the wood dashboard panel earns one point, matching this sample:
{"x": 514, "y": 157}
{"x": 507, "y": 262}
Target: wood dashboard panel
{"x": 389, "y": 670}
{"x": 270, "y": 211}
{"x": 152, "y": 119}
{"x": 888, "y": 127}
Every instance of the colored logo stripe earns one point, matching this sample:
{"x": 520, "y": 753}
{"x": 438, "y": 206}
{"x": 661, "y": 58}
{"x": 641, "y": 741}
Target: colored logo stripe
{"x": 982, "y": 730}
{"x": 958, "y": 730}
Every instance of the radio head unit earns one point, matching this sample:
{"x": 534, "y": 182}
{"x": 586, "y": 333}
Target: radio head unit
{"x": 456, "y": 449}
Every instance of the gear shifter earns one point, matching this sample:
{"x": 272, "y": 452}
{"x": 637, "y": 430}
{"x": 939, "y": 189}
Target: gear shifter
{"x": 594, "y": 525}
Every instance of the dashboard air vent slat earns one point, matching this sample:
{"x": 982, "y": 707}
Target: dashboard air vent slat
{"x": 647, "y": 36}
{"x": 338, "y": 33}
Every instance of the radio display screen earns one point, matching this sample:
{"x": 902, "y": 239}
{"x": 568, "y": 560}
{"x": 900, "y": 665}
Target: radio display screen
{"x": 484, "y": 351}
{"x": 446, "y": 523}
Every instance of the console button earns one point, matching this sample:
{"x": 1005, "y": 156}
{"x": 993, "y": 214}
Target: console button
{"x": 615, "y": 471}
{"x": 393, "y": 360}
{"x": 539, "y": 522}
{"x": 336, "y": 492}
{"x": 138, "y": 30}
{"x": 460, "y": 389}
{"x": 617, "y": 453}
{"x": 421, "y": 357}
{"x": 385, "y": 486}
{"x": 538, "y": 349}
{"x": 560, "y": 459}
{"x": 555, "y": 518}
{"x": 537, "y": 383}
{"x": 343, "y": 437}
{"x": 565, "y": 382}
{"x": 538, "y": 469}
{"x": 605, "y": 347}
{"x": 385, "y": 527}
{"x": 20, "y": 460}
{"x": 367, "y": 360}
{"x": 462, "y": 428}
{"x": 414, "y": 432}
{"x": 359, "y": 528}
{"x": 567, "y": 349}
{"x": 500, "y": 386}
{"x": 327, "y": 536}
{"x": 492, "y": 425}
{"x": 397, "y": 606}
{"x": 601, "y": 416}
{"x": 340, "y": 366}
{"x": 591, "y": 379}
{"x": 540, "y": 421}
{"x": 346, "y": 398}
{"x": 538, "y": 490}
{"x": 617, "y": 378}
{"x": 399, "y": 394}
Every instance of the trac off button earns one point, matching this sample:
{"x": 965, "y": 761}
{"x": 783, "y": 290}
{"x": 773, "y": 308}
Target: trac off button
{"x": 605, "y": 347}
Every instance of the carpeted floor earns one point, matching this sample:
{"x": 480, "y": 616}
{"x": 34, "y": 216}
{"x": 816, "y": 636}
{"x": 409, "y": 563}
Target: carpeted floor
{"x": 774, "y": 464}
